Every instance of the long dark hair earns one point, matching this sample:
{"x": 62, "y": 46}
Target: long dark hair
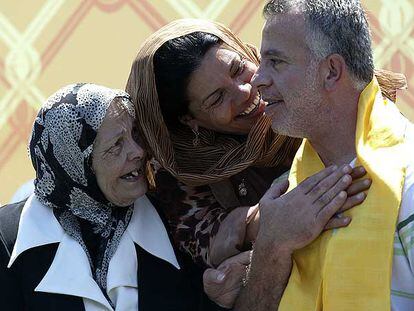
{"x": 174, "y": 62}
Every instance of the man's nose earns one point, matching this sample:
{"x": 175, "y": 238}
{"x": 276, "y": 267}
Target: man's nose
{"x": 260, "y": 79}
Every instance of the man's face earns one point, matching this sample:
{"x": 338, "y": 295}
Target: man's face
{"x": 288, "y": 77}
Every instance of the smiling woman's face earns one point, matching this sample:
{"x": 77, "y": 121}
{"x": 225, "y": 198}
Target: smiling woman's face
{"x": 118, "y": 159}
{"x": 220, "y": 95}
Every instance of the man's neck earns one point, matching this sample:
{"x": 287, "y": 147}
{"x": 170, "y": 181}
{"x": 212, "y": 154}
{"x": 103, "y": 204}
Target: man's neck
{"x": 335, "y": 151}
{"x": 335, "y": 144}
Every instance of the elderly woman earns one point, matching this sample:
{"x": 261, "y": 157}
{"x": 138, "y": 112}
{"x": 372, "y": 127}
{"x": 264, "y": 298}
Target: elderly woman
{"x": 89, "y": 238}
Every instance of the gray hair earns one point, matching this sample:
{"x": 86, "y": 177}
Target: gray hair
{"x": 335, "y": 26}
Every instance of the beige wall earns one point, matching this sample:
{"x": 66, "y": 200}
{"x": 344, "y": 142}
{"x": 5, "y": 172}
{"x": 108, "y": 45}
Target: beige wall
{"x": 45, "y": 44}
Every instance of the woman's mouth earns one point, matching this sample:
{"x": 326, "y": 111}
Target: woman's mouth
{"x": 134, "y": 175}
{"x": 252, "y": 108}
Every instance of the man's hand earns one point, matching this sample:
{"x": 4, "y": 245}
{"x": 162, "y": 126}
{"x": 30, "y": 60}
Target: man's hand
{"x": 295, "y": 219}
{"x": 355, "y": 196}
{"x": 289, "y": 222}
{"x": 222, "y": 285}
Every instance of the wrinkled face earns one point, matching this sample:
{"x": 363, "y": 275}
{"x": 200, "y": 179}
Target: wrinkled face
{"x": 221, "y": 96}
{"x": 288, "y": 77}
{"x": 118, "y": 159}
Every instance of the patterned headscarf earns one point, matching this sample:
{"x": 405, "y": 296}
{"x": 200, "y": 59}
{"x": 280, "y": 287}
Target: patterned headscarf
{"x": 61, "y": 148}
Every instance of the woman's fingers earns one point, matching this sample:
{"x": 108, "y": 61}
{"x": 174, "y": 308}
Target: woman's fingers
{"x": 359, "y": 186}
{"x": 222, "y": 285}
{"x": 242, "y": 259}
{"x": 331, "y": 181}
{"x": 228, "y": 299}
{"x": 337, "y": 222}
{"x": 353, "y": 201}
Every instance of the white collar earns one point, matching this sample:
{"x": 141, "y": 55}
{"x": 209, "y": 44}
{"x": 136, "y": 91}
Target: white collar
{"x": 70, "y": 273}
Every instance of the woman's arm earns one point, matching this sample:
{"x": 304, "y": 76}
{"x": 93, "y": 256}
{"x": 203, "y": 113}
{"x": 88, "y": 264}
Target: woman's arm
{"x": 200, "y": 226}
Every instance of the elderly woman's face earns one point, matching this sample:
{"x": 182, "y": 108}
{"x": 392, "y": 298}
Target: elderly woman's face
{"x": 221, "y": 96}
{"x": 118, "y": 159}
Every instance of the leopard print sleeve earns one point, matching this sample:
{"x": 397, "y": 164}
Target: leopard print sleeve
{"x": 193, "y": 214}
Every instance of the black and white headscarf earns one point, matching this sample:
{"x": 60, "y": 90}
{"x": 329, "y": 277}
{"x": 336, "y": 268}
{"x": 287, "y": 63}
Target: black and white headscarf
{"x": 61, "y": 152}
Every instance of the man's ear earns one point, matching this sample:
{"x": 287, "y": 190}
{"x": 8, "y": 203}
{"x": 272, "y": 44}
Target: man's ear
{"x": 333, "y": 70}
{"x": 190, "y": 122}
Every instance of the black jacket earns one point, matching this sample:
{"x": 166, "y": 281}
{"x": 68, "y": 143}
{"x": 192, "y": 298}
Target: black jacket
{"x": 160, "y": 287}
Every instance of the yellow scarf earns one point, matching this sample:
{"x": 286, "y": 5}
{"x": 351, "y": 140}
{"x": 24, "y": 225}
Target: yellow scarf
{"x": 350, "y": 269}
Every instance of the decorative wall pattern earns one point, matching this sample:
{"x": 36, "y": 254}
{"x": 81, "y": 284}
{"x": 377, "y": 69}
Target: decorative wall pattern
{"x": 45, "y": 44}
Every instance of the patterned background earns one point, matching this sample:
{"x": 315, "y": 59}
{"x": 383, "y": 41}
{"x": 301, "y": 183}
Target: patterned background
{"x": 45, "y": 44}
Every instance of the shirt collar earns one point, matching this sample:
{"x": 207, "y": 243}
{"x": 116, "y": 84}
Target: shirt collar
{"x": 148, "y": 231}
{"x": 38, "y": 226}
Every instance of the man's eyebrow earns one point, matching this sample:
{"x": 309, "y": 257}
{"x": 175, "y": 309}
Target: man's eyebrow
{"x": 274, "y": 52}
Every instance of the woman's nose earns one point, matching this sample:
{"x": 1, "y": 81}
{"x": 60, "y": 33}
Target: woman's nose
{"x": 243, "y": 91}
{"x": 136, "y": 151}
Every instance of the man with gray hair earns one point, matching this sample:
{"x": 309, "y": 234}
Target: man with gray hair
{"x": 317, "y": 75}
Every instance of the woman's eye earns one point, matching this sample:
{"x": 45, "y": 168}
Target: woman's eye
{"x": 240, "y": 68}
{"x": 116, "y": 147}
{"x": 135, "y": 135}
{"x": 218, "y": 100}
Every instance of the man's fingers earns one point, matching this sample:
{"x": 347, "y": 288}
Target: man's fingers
{"x": 309, "y": 183}
{"x": 359, "y": 186}
{"x": 353, "y": 201}
{"x": 337, "y": 222}
{"x": 333, "y": 191}
{"x": 358, "y": 172}
{"x": 276, "y": 190}
{"x": 329, "y": 181}
{"x": 326, "y": 213}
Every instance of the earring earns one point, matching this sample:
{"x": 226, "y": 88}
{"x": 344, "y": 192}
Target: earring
{"x": 196, "y": 139}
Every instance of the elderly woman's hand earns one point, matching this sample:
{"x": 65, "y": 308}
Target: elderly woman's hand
{"x": 222, "y": 285}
